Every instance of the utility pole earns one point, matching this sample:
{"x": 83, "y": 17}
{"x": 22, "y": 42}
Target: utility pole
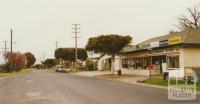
{"x": 76, "y": 31}
{"x": 11, "y": 49}
{"x": 5, "y": 49}
{"x": 56, "y": 45}
{"x": 43, "y": 58}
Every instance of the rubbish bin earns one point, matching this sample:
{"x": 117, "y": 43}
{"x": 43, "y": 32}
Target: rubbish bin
{"x": 165, "y": 75}
{"x": 119, "y": 72}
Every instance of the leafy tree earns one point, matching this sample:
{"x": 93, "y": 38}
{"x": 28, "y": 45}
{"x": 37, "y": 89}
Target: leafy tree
{"x": 51, "y": 62}
{"x": 191, "y": 20}
{"x": 68, "y": 54}
{"x": 90, "y": 65}
{"x": 17, "y": 60}
{"x": 108, "y": 44}
{"x": 30, "y": 59}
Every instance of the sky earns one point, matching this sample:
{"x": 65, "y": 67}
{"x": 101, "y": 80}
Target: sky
{"x": 38, "y": 24}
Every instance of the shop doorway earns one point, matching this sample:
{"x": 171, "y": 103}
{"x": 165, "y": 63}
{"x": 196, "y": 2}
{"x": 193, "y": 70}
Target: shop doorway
{"x": 158, "y": 61}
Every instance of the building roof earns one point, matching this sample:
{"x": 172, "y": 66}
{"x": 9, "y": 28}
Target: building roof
{"x": 129, "y": 48}
{"x": 190, "y": 36}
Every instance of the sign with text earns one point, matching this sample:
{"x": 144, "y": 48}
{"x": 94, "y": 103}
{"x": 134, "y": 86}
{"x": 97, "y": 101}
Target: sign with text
{"x": 180, "y": 89}
{"x": 175, "y": 40}
{"x": 163, "y": 43}
{"x": 154, "y": 44}
{"x": 182, "y": 92}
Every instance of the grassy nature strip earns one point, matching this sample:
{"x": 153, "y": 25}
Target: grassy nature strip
{"x": 7, "y": 74}
{"x": 161, "y": 82}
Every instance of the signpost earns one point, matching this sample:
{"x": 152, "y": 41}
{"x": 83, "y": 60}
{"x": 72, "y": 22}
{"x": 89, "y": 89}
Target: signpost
{"x": 182, "y": 91}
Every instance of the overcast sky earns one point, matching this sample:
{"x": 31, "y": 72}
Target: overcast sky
{"x": 38, "y": 24}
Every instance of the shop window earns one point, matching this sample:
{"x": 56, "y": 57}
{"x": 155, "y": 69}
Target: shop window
{"x": 139, "y": 63}
{"x": 131, "y": 63}
{"x": 156, "y": 62}
{"x": 125, "y": 63}
{"x": 135, "y": 63}
{"x": 173, "y": 61}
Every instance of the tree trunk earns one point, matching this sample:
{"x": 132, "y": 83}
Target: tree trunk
{"x": 113, "y": 63}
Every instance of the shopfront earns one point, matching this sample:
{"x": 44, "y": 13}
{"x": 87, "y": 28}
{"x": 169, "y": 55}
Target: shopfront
{"x": 156, "y": 57}
{"x": 173, "y": 51}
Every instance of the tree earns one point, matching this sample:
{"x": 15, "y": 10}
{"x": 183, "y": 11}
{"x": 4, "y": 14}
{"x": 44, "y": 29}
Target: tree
{"x": 17, "y": 60}
{"x": 90, "y": 64}
{"x": 192, "y": 20}
{"x": 30, "y": 59}
{"x": 51, "y": 62}
{"x": 68, "y": 54}
{"x": 108, "y": 44}
{"x": 38, "y": 66}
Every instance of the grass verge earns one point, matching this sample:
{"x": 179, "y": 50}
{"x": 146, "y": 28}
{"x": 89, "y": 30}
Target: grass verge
{"x": 161, "y": 82}
{"x": 51, "y": 69}
{"x": 7, "y": 74}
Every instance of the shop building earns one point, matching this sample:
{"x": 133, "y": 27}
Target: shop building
{"x": 175, "y": 50}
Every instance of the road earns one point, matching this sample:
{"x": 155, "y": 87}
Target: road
{"x": 42, "y": 87}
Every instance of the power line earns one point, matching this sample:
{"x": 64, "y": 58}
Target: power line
{"x": 76, "y": 31}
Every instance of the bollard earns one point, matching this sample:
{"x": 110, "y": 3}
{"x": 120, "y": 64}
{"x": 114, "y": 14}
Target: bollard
{"x": 119, "y": 72}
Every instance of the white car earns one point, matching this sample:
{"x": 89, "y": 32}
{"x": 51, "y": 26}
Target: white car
{"x": 60, "y": 69}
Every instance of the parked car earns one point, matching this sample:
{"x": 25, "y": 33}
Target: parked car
{"x": 60, "y": 69}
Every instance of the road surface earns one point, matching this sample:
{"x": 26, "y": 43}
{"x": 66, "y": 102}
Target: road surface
{"x": 42, "y": 87}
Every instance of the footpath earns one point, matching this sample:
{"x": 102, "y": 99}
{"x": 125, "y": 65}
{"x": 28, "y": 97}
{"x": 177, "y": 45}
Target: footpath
{"x": 130, "y": 79}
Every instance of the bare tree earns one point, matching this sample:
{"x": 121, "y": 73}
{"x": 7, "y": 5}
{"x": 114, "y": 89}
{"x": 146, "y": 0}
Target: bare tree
{"x": 191, "y": 20}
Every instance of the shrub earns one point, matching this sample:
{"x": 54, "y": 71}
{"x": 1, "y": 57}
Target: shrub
{"x": 90, "y": 65}
{"x": 5, "y": 67}
{"x": 38, "y": 66}
{"x": 49, "y": 63}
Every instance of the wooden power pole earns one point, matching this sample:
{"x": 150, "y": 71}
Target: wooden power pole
{"x": 5, "y": 49}
{"x": 56, "y": 45}
{"x": 11, "y": 49}
{"x": 76, "y": 31}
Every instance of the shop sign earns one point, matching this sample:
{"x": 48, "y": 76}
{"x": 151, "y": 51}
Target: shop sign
{"x": 163, "y": 43}
{"x": 188, "y": 71}
{"x": 154, "y": 44}
{"x": 175, "y": 40}
{"x": 185, "y": 91}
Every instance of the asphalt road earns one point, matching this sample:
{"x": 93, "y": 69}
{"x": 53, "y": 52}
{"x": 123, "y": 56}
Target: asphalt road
{"x": 41, "y": 87}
